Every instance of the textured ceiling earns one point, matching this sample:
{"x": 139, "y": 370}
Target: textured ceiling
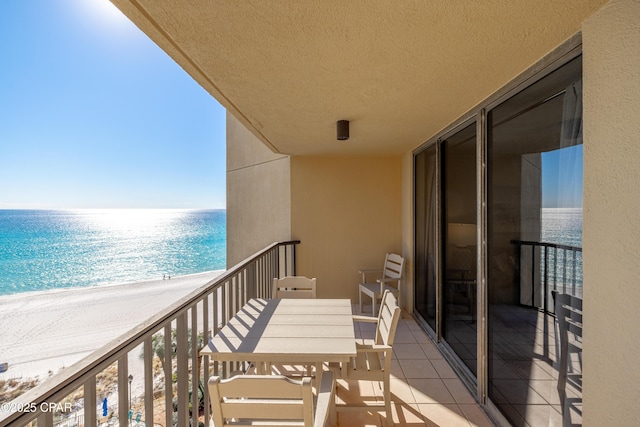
{"x": 400, "y": 71}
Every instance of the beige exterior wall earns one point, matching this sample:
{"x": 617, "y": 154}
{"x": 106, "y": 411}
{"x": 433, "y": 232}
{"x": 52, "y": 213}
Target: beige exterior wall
{"x": 611, "y": 230}
{"x": 258, "y": 194}
{"x": 346, "y": 211}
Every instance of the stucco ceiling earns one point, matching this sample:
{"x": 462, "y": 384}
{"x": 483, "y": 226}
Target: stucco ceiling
{"x": 400, "y": 71}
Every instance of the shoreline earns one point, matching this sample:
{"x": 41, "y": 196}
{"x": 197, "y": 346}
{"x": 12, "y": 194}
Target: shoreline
{"x": 18, "y": 295}
{"x": 45, "y": 331}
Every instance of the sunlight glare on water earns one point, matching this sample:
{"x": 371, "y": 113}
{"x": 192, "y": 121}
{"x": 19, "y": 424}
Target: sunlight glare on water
{"x": 132, "y": 222}
{"x": 57, "y": 249}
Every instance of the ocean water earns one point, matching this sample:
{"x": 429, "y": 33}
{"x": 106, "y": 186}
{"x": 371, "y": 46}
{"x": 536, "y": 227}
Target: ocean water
{"x": 44, "y": 249}
{"x": 563, "y": 226}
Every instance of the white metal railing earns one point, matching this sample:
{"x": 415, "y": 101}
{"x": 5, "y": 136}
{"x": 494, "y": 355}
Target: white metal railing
{"x": 167, "y": 345}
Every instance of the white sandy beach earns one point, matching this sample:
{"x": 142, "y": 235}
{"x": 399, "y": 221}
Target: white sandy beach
{"x": 41, "y": 332}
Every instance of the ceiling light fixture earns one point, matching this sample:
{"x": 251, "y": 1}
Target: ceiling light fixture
{"x": 342, "y": 127}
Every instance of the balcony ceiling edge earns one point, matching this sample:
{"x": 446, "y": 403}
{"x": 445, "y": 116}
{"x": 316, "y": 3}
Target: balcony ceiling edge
{"x": 398, "y": 72}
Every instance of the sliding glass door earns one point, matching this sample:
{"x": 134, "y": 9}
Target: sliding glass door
{"x": 426, "y": 234}
{"x": 459, "y": 246}
{"x": 534, "y": 221}
{"x": 491, "y": 306}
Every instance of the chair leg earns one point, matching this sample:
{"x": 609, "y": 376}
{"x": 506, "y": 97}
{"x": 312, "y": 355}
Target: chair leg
{"x": 373, "y": 305}
{"x": 563, "y": 367}
{"x": 387, "y": 401}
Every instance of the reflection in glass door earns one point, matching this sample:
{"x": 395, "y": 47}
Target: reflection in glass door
{"x": 534, "y": 219}
{"x": 530, "y": 205}
{"x": 459, "y": 246}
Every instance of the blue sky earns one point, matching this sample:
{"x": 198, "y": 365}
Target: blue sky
{"x": 94, "y": 115}
{"x": 562, "y": 176}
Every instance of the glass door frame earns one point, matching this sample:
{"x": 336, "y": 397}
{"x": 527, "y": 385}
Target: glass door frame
{"x": 569, "y": 50}
{"x": 463, "y": 371}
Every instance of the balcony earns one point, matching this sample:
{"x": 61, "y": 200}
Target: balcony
{"x": 425, "y": 389}
{"x": 164, "y": 352}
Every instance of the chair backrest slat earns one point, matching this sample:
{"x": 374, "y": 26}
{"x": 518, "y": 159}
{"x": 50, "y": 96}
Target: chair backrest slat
{"x": 260, "y": 387}
{"x": 393, "y": 264}
{"x": 569, "y": 313}
{"x": 268, "y": 409}
{"x": 261, "y": 397}
{"x": 294, "y": 287}
{"x": 388, "y": 318}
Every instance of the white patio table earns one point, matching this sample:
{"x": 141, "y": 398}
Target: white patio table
{"x": 305, "y": 331}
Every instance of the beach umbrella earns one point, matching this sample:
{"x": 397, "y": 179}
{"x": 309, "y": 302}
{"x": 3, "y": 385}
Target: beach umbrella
{"x": 104, "y": 407}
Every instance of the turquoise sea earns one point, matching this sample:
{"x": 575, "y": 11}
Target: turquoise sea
{"x": 54, "y": 249}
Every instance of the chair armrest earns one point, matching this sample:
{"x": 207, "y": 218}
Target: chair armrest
{"x": 325, "y": 403}
{"x": 364, "y": 273}
{"x": 364, "y": 319}
{"x": 372, "y": 348}
{"x": 370, "y": 270}
{"x": 387, "y": 279}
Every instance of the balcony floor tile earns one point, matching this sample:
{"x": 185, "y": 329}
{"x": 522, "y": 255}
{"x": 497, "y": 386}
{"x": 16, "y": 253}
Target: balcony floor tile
{"x": 425, "y": 390}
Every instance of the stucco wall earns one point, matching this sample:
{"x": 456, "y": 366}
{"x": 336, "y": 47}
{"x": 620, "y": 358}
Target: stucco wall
{"x": 611, "y": 229}
{"x": 347, "y": 213}
{"x": 258, "y": 194}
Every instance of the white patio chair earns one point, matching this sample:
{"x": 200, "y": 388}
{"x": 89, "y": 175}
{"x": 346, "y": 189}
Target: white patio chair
{"x": 391, "y": 273}
{"x": 294, "y": 287}
{"x": 373, "y": 362}
{"x": 271, "y": 400}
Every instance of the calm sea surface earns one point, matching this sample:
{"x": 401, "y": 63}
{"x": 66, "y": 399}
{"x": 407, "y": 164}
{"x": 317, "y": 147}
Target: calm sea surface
{"x": 563, "y": 226}
{"x": 41, "y": 250}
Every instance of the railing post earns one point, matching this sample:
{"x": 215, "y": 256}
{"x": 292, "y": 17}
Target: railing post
{"x": 205, "y": 360}
{"x": 575, "y": 274}
{"x": 251, "y": 282}
{"x": 148, "y": 381}
{"x": 546, "y": 278}
{"x": 293, "y": 259}
{"x": 195, "y": 367}
{"x": 183, "y": 370}
{"x": 533, "y": 276}
{"x": 123, "y": 391}
{"x": 286, "y": 260}
{"x": 564, "y": 272}
{"x": 168, "y": 375}
{"x": 216, "y": 314}
{"x": 45, "y": 419}
{"x": 90, "y": 398}
{"x": 555, "y": 268}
